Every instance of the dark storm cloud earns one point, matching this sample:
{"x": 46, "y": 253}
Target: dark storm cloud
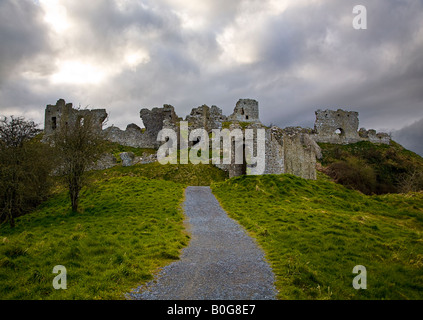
{"x": 22, "y": 35}
{"x": 411, "y": 137}
{"x": 374, "y": 71}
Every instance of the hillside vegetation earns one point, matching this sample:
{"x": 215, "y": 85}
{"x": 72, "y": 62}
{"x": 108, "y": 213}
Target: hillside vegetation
{"x": 187, "y": 174}
{"x": 315, "y": 232}
{"x": 130, "y": 224}
{"x": 373, "y": 168}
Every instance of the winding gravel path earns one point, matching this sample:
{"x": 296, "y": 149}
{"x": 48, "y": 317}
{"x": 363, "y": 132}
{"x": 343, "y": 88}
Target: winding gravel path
{"x": 221, "y": 262}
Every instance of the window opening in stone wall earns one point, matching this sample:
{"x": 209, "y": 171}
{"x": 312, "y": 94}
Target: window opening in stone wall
{"x": 339, "y": 132}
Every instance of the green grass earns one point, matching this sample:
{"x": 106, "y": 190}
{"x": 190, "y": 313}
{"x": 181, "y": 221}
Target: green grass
{"x": 130, "y": 224}
{"x": 127, "y": 228}
{"x": 187, "y": 174}
{"x": 115, "y": 149}
{"x": 315, "y": 232}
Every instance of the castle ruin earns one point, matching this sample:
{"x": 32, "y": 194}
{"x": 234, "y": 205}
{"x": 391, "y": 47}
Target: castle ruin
{"x": 246, "y": 110}
{"x": 341, "y": 127}
{"x": 292, "y": 150}
{"x": 63, "y": 112}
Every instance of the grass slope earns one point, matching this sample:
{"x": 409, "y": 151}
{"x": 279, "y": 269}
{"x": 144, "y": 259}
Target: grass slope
{"x": 315, "y": 232}
{"x": 128, "y": 227}
{"x": 187, "y": 174}
{"x": 130, "y": 224}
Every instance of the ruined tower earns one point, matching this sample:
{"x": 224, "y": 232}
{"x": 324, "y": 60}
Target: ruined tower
{"x": 338, "y": 126}
{"x": 246, "y": 110}
{"x": 63, "y": 112}
{"x": 341, "y": 127}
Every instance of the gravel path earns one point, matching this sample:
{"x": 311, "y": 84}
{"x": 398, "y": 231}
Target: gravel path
{"x": 221, "y": 262}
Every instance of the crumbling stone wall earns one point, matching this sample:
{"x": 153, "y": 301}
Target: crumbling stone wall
{"x": 62, "y": 111}
{"x": 132, "y": 136}
{"x": 291, "y": 150}
{"x": 373, "y": 136}
{"x": 341, "y": 127}
{"x": 336, "y": 126}
{"x": 275, "y": 156}
{"x": 153, "y": 119}
{"x": 286, "y": 150}
{"x": 300, "y": 153}
{"x": 206, "y": 118}
{"x": 246, "y": 110}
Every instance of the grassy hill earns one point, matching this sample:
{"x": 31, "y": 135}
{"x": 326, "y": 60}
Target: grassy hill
{"x": 130, "y": 225}
{"x": 315, "y": 232}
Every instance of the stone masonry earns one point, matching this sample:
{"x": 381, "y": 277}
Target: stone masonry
{"x": 292, "y": 150}
{"x": 246, "y": 110}
{"x": 64, "y": 112}
{"x": 336, "y": 126}
{"x": 341, "y": 127}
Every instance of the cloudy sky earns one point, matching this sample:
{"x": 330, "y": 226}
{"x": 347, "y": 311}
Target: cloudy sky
{"x": 292, "y": 56}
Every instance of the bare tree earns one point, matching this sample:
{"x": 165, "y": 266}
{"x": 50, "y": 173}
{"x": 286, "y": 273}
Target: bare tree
{"x": 411, "y": 181}
{"x": 78, "y": 144}
{"x": 24, "y": 168}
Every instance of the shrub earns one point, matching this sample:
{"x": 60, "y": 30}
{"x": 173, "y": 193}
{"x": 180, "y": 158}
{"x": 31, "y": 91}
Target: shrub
{"x": 411, "y": 181}
{"x": 354, "y": 173}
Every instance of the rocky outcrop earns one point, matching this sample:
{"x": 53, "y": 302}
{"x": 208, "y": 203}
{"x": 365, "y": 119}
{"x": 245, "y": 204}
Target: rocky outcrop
{"x": 127, "y": 158}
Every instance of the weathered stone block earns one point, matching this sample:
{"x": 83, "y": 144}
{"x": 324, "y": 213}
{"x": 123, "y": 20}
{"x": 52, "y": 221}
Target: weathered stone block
{"x": 127, "y": 158}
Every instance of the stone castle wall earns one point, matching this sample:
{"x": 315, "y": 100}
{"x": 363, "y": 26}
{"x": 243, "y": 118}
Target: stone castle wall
{"x": 292, "y": 150}
{"x": 63, "y": 112}
{"x": 341, "y": 127}
{"x": 246, "y": 110}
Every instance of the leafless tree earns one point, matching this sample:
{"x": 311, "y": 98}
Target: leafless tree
{"x": 78, "y": 144}
{"x": 411, "y": 181}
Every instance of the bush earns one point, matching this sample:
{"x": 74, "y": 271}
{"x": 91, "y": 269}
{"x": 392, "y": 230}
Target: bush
{"x": 411, "y": 181}
{"x": 25, "y": 165}
{"x": 373, "y": 168}
{"x": 354, "y": 173}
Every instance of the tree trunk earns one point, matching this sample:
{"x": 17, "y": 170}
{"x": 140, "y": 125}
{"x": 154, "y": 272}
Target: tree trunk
{"x": 10, "y": 216}
{"x": 9, "y": 207}
{"x": 11, "y": 221}
{"x": 74, "y": 195}
{"x": 74, "y": 201}
{"x": 74, "y": 189}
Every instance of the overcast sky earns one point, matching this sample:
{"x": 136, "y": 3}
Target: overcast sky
{"x": 294, "y": 57}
